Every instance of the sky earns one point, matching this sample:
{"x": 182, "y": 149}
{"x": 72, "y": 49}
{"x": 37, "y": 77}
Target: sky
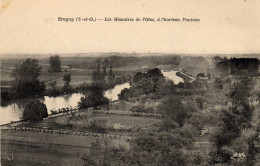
{"x": 225, "y": 27}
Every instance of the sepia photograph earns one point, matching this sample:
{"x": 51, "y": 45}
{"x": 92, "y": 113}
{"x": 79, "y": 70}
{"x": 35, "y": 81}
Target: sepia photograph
{"x": 130, "y": 82}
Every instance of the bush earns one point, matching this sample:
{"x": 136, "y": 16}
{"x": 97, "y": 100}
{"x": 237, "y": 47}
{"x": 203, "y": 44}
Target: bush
{"x": 120, "y": 105}
{"x": 142, "y": 108}
{"x": 94, "y": 98}
{"x": 151, "y": 149}
{"x": 138, "y": 108}
{"x": 6, "y": 96}
{"x": 97, "y": 126}
{"x": 218, "y": 83}
{"x": 187, "y": 131}
{"x": 31, "y": 88}
{"x": 35, "y": 111}
{"x": 172, "y": 107}
{"x": 200, "y": 102}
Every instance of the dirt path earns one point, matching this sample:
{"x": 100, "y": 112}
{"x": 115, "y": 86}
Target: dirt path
{"x": 53, "y": 80}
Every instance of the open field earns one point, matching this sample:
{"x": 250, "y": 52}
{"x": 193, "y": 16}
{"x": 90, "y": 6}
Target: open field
{"x": 79, "y": 75}
{"x": 42, "y": 146}
{"x": 113, "y": 121}
{"x": 75, "y": 81}
{"x": 37, "y": 148}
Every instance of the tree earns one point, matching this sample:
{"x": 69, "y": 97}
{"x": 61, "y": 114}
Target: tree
{"x": 200, "y": 102}
{"x": 98, "y": 70}
{"x": 54, "y": 90}
{"x": 111, "y": 76}
{"x": 173, "y": 111}
{"x": 98, "y": 76}
{"x": 218, "y": 83}
{"x": 150, "y": 83}
{"x": 29, "y": 71}
{"x": 55, "y": 64}
{"x": 67, "y": 79}
{"x": 53, "y": 85}
{"x": 35, "y": 111}
{"x": 26, "y": 79}
{"x": 233, "y": 120}
{"x": 104, "y": 72}
{"x": 94, "y": 76}
{"x": 27, "y": 89}
{"x": 94, "y": 97}
{"x": 155, "y": 149}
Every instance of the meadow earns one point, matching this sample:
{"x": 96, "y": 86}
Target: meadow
{"x": 46, "y": 144}
{"x": 38, "y": 148}
{"x": 79, "y": 75}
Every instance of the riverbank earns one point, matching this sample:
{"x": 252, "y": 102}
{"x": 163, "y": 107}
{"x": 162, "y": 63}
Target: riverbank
{"x": 13, "y": 110}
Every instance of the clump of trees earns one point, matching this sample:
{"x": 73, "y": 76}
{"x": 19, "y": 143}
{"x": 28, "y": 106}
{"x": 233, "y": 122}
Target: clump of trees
{"x": 104, "y": 78}
{"x": 144, "y": 84}
{"x": 66, "y": 87}
{"x": 111, "y": 77}
{"x": 200, "y": 102}
{"x": 55, "y": 63}
{"x": 26, "y": 79}
{"x": 237, "y": 66}
{"x": 34, "y": 111}
{"x": 175, "y": 112}
{"x": 148, "y": 149}
{"x": 135, "y": 61}
{"x": 93, "y": 98}
{"x": 99, "y": 77}
{"x": 99, "y": 126}
{"x": 54, "y": 91}
{"x": 218, "y": 83}
{"x": 233, "y": 121}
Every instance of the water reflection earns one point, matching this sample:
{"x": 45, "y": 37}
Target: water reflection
{"x": 112, "y": 94}
{"x": 70, "y": 100}
{"x": 172, "y": 76}
{"x": 13, "y": 112}
{"x": 9, "y": 113}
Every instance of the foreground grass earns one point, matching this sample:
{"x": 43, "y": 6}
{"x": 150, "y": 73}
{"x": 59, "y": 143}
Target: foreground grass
{"x": 38, "y": 148}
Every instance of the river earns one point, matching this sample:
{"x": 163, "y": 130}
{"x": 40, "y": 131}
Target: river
{"x": 13, "y": 111}
{"x": 172, "y": 76}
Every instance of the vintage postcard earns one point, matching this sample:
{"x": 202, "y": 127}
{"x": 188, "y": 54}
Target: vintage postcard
{"x": 130, "y": 82}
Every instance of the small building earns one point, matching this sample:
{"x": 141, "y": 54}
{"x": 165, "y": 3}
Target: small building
{"x": 202, "y": 76}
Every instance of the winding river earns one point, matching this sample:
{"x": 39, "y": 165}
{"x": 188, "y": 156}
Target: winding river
{"x": 13, "y": 111}
{"x": 172, "y": 76}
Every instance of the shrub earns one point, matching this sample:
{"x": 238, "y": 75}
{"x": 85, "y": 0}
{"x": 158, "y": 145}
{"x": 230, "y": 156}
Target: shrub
{"x": 94, "y": 98}
{"x": 97, "y": 126}
{"x": 35, "y": 111}
{"x": 218, "y": 83}
{"x": 172, "y": 107}
{"x": 138, "y": 108}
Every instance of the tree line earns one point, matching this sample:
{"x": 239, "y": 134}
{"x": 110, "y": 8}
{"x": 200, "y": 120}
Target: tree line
{"x": 233, "y": 122}
{"x": 237, "y": 66}
{"x": 27, "y": 83}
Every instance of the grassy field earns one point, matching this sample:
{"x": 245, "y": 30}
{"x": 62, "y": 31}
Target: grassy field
{"x": 113, "y": 121}
{"x": 79, "y": 75}
{"x": 37, "y": 148}
{"x": 75, "y": 81}
{"x": 65, "y": 147}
